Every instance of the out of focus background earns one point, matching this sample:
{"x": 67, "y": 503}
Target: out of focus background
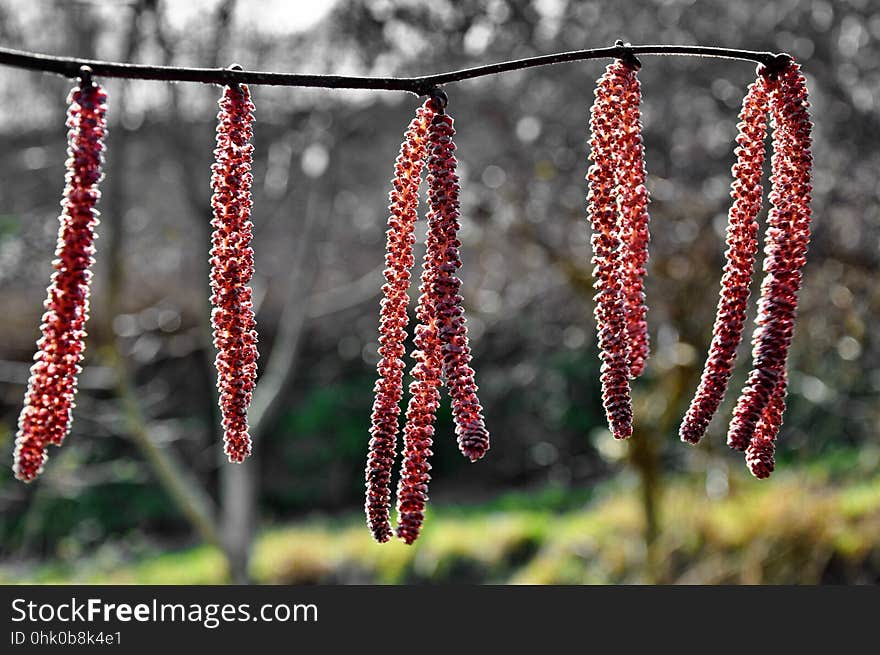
{"x": 140, "y": 491}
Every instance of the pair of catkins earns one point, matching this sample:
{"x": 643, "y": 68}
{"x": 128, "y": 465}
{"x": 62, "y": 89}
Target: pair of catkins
{"x": 46, "y": 417}
{"x": 442, "y": 352}
{"x": 618, "y": 213}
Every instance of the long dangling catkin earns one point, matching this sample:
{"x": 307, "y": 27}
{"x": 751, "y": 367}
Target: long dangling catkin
{"x": 610, "y": 311}
{"x": 786, "y": 244}
{"x": 633, "y": 207}
{"x": 443, "y": 195}
{"x": 49, "y": 401}
{"x": 742, "y": 245}
{"x": 412, "y": 489}
{"x": 399, "y": 261}
{"x": 232, "y": 266}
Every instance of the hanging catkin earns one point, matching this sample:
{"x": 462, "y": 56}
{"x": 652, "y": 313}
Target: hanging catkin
{"x": 742, "y": 244}
{"x": 443, "y": 195}
{"x": 786, "y": 242}
{"x": 610, "y": 312}
{"x": 421, "y": 413}
{"x": 399, "y": 261}
{"x": 232, "y": 266}
{"x": 418, "y": 434}
{"x": 633, "y": 207}
{"x": 49, "y": 400}
{"x": 441, "y": 343}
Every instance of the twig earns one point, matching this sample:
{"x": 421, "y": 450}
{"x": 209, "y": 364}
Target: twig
{"x": 70, "y": 67}
{"x": 351, "y": 294}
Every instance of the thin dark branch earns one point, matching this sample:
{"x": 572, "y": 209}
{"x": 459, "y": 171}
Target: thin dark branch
{"x": 70, "y": 67}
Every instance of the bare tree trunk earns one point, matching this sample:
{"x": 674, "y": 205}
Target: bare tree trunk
{"x": 238, "y": 503}
{"x": 239, "y": 482}
{"x": 84, "y": 24}
{"x": 644, "y": 456}
{"x": 177, "y": 480}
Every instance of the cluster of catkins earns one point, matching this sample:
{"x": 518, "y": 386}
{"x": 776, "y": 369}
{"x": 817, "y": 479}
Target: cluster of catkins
{"x": 617, "y": 207}
{"x": 49, "y": 401}
{"x": 618, "y": 201}
{"x": 441, "y": 350}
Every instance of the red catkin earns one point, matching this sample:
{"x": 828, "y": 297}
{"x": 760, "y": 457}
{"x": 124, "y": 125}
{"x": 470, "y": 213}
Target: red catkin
{"x": 49, "y": 401}
{"x": 761, "y": 452}
{"x": 443, "y": 195}
{"x": 785, "y": 250}
{"x": 418, "y": 435}
{"x": 232, "y": 266}
{"x": 610, "y": 298}
{"x": 633, "y": 207}
{"x": 742, "y": 245}
{"x": 399, "y": 260}
{"x": 412, "y": 489}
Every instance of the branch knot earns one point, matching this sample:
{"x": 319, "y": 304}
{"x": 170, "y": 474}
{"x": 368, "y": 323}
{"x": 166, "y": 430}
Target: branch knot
{"x": 627, "y": 55}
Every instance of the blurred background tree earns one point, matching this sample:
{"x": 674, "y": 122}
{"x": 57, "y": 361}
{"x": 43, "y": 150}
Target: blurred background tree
{"x": 143, "y": 469}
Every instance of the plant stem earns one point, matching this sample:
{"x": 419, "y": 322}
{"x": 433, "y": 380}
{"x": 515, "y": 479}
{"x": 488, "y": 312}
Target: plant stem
{"x": 70, "y": 67}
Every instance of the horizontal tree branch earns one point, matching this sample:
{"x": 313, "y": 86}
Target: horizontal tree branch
{"x": 70, "y": 67}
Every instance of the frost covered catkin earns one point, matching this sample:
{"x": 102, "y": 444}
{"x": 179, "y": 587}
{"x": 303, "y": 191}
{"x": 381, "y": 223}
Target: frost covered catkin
{"x": 232, "y": 266}
{"x": 49, "y": 401}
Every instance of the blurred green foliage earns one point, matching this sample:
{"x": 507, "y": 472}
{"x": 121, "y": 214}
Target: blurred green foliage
{"x": 803, "y": 527}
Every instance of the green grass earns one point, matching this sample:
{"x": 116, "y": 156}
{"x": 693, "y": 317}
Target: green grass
{"x": 800, "y": 527}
